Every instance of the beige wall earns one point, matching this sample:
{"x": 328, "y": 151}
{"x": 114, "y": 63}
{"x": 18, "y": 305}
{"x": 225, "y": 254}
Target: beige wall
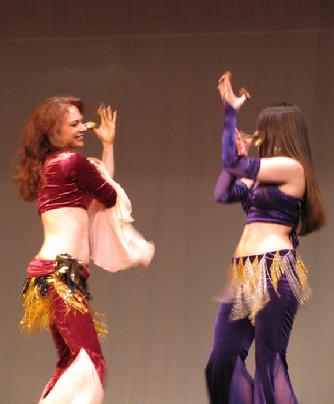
{"x": 157, "y": 63}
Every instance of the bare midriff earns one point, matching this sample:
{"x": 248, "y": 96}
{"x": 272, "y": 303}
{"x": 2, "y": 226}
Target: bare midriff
{"x": 65, "y": 231}
{"x": 258, "y": 238}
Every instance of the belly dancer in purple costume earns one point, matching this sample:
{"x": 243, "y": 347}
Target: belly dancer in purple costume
{"x": 267, "y": 279}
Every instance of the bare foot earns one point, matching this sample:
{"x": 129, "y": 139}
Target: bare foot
{"x": 226, "y": 91}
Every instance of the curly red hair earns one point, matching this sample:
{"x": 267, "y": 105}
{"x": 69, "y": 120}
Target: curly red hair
{"x": 35, "y": 144}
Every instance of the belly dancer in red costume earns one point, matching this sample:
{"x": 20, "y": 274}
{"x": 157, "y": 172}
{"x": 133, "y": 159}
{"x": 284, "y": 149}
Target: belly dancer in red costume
{"x": 55, "y": 294}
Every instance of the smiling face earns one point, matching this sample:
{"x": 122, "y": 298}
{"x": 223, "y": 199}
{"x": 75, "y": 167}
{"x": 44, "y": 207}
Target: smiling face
{"x": 70, "y": 132}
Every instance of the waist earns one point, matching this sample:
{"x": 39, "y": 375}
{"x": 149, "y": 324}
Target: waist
{"x": 268, "y": 255}
{"x": 58, "y": 217}
{"x": 258, "y": 238}
{"x": 65, "y": 229}
{"x": 42, "y": 267}
{"x": 51, "y": 248}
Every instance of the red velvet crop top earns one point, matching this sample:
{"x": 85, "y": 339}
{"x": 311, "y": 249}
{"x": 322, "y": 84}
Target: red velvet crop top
{"x": 71, "y": 180}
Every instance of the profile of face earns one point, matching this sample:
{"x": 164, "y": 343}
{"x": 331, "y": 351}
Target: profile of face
{"x": 69, "y": 133}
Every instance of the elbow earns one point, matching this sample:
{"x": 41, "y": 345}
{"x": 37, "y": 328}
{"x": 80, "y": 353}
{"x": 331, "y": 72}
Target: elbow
{"x": 111, "y": 200}
{"x": 230, "y": 169}
{"x": 230, "y": 162}
{"x": 221, "y": 197}
{"x": 114, "y": 198}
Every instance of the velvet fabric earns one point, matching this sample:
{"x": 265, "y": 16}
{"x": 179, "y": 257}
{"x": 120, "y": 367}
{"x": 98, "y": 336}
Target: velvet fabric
{"x": 41, "y": 267}
{"x": 228, "y": 381}
{"x": 267, "y": 203}
{"x": 72, "y": 331}
{"x": 240, "y": 166}
{"x": 69, "y": 179}
{"x": 263, "y": 202}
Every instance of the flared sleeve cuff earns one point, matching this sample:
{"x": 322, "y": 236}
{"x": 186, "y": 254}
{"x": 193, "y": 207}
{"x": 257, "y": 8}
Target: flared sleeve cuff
{"x": 115, "y": 244}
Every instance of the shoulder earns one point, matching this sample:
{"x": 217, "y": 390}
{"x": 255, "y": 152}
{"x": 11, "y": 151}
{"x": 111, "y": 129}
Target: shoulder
{"x": 72, "y": 159}
{"x": 64, "y": 157}
{"x": 291, "y": 162}
{"x": 283, "y": 163}
{"x": 73, "y": 156}
{"x": 293, "y": 176}
{"x": 71, "y": 162}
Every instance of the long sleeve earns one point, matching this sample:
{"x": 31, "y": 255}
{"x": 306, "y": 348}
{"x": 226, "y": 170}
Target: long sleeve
{"x": 228, "y": 189}
{"x": 240, "y": 166}
{"x": 88, "y": 178}
{"x": 115, "y": 243}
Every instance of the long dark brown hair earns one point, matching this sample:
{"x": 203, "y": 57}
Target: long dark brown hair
{"x": 44, "y": 122}
{"x": 285, "y": 133}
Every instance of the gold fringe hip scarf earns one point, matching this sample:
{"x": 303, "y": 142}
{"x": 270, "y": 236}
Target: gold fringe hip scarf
{"x": 69, "y": 284}
{"x": 249, "y": 278}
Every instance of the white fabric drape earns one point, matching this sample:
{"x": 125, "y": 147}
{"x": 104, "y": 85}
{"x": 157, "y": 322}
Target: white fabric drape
{"x": 114, "y": 242}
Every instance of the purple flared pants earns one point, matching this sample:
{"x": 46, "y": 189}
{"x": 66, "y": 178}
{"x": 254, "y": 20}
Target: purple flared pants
{"x": 228, "y": 381}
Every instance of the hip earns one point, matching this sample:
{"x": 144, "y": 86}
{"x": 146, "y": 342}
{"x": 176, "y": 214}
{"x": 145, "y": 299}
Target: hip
{"x": 256, "y": 279}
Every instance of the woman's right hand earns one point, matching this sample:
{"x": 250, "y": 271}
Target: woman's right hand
{"x": 226, "y": 92}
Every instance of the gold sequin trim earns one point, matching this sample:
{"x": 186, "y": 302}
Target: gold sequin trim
{"x": 247, "y": 282}
{"x": 38, "y": 312}
{"x": 38, "y": 309}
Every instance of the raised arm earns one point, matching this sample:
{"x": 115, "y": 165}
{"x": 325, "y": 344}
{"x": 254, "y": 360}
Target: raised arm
{"x": 228, "y": 188}
{"x": 281, "y": 170}
{"x": 106, "y": 134}
{"x": 235, "y": 164}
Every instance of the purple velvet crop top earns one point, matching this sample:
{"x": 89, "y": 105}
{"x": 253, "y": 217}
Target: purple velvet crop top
{"x": 266, "y": 203}
{"x": 263, "y": 202}
{"x": 71, "y": 180}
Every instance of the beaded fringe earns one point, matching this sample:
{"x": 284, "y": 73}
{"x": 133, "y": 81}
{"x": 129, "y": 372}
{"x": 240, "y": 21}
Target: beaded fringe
{"x": 38, "y": 313}
{"x": 247, "y": 288}
{"x": 38, "y": 308}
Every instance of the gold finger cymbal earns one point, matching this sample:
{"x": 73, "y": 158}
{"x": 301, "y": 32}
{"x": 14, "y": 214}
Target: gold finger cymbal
{"x": 90, "y": 125}
{"x": 228, "y": 74}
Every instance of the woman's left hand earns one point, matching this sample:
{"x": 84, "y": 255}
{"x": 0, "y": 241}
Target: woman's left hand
{"x": 107, "y": 129}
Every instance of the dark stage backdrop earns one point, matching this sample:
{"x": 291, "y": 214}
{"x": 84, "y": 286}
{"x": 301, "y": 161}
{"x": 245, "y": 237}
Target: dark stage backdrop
{"x": 158, "y": 62}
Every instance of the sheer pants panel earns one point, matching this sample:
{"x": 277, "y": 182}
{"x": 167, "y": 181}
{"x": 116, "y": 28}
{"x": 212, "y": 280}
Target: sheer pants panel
{"x": 228, "y": 381}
